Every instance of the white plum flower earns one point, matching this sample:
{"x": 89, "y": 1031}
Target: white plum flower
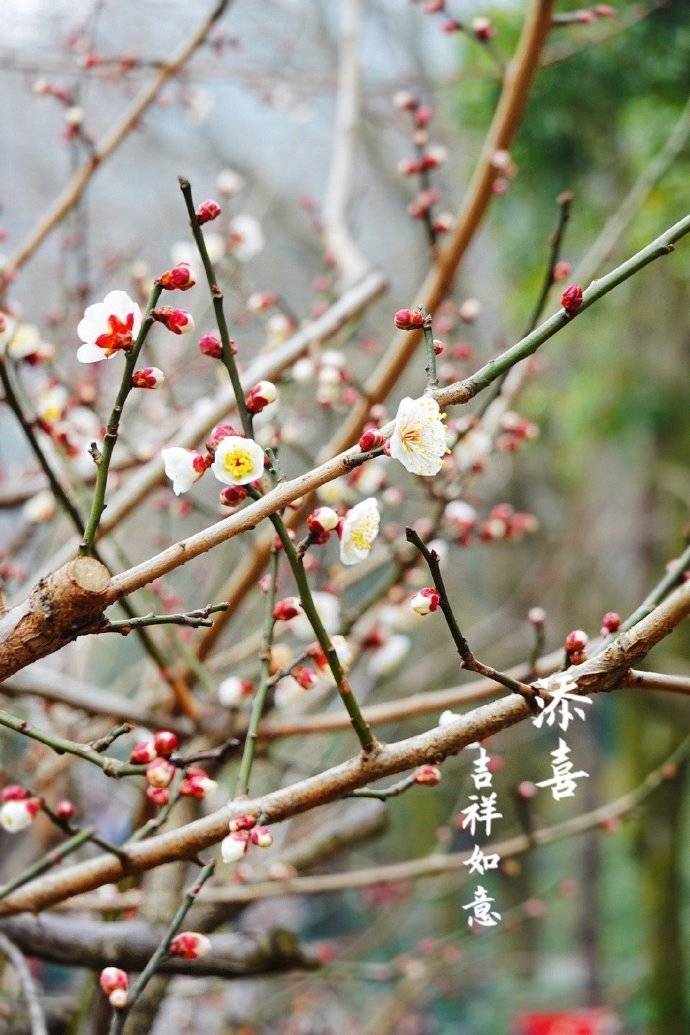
{"x": 108, "y": 327}
{"x": 246, "y": 237}
{"x": 17, "y": 815}
{"x": 238, "y": 461}
{"x": 419, "y": 437}
{"x": 360, "y": 528}
{"x": 229, "y": 182}
{"x": 183, "y": 467}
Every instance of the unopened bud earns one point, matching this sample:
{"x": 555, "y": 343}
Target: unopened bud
{"x": 165, "y": 742}
{"x": 576, "y": 641}
{"x": 148, "y": 377}
{"x": 571, "y": 299}
{"x": 143, "y": 752}
{"x": 159, "y": 772}
{"x": 425, "y": 601}
{"x": 409, "y": 319}
{"x": 207, "y": 211}
{"x": 189, "y": 945}
{"x": 372, "y": 438}
{"x": 287, "y": 608}
{"x": 179, "y": 278}
{"x": 260, "y": 396}
{"x": 177, "y": 321}
{"x": 428, "y": 775}
{"x": 209, "y": 345}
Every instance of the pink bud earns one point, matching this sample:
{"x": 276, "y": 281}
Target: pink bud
{"x": 179, "y": 278}
{"x": 143, "y": 752}
{"x": 159, "y": 772}
{"x": 610, "y": 623}
{"x": 372, "y": 438}
{"x": 158, "y": 796}
{"x": 526, "y": 790}
{"x": 483, "y": 29}
{"x": 177, "y": 321}
{"x": 148, "y": 377}
{"x": 165, "y": 742}
{"x": 197, "y": 783}
{"x": 260, "y": 396}
{"x": 562, "y": 270}
{"x": 304, "y": 676}
{"x": 408, "y": 319}
{"x": 428, "y": 775}
{"x": 571, "y": 299}
{"x": 233, "y": 495}
{"x": 13, "y": 792}
{"x": 189, "y": 945}
{"x": 287, "y": 608}
{"x": 211, "y": 346}
{"x": 207, "y": 211}
{"x": 423, "y": 115}
{"x": 536, "y": 615}
{"x": 242, "y": 822}
{"x": 425, "y": 601}
{"x": 113, "y": 979}
{"x": 322, "y": 521}
{"x": 576, "y": 641}
{"x": 218, "y": 433}
{"x": 65, "y": 809}
{"x": 262, "y": 837}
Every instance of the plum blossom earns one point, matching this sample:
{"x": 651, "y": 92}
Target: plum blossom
{"x": 17, "y": 815}
{"x": 360, "y": 528}
{"x": 419, "y": 436}
{"x": 183, "y": 467}
{"x": 238, "y": 461}
{"x": 246, "y": 237}
{"x": 233, "y": 690}
{"x": 108, "y": 327}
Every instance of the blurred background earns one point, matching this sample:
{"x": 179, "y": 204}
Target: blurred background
{"x": 600, "y": 921}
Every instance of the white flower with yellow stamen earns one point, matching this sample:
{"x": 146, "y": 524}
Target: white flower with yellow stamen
{"x": 238, "y": 461}
{"x": 419, "y": 437}
{"x": 360, "y": 528}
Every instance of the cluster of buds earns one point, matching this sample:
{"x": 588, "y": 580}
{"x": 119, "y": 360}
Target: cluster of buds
{"x": 321, "y": 522}
{"x": 260, "y": 396}
{"x": 427, "y": 158}
{"x": 17, "y": 808}
{"x": 426, "y": 601}
{"x": 207, "y": 211}
{"x": 243, "y": 833}
{"x": 480, "y": 28}
{"x": 516, "y": 431}
{"x": 504, "y": 522}
{"x": 177, "y": 321}
{"x": 575, "y": 646}
{"x": 148, "y": 377}
{"x": 179, "y": 278}
{"x": 571, "y": 299}
{"x": 115, "y": 986}
{"x": 154, "y": 754}
{"x": 586, "y": 15}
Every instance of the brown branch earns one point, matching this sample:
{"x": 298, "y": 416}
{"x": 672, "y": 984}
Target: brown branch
{"x": 601, "y": 674}
{"x": 109, "y": 143}
{"x": 130, "y": 944}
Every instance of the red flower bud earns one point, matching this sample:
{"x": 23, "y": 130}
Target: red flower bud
{"x": 148, "y": 377}
{"x": 408, "y": 319}
{"x": 576, "y": 641}
{"x": 322, "y": 521}
{"x": 165, "y": 742}
{"x": 428, "y": 775}
{"x": 211, "y": 346}
{"x": 260, "y": 396}
{"x": 207, "y": 211}
{"x": 610, "y": 623}
{"x": 233, "y": 495}
{"x": 372, "y": 438}
{"x": 159, "y": 772}
{"x": 177, "y": 321}
{"x": 114, "y": 984}
{"x": 158, "y": 796}
{"x": 189, "y": 945}
{"x": 143, "y": 752}
{"x": 287, "y": 608}
{"x": 571, "y": 299}
{"x": 179, "y": 278}
{"x": 65, "y": 809}
{"x": 243, "y": 822}
{"x": 13, "y": 792}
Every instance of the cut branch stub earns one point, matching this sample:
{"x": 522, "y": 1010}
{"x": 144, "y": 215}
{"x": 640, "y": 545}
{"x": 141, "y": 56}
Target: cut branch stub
{"x": 65, "y": 604}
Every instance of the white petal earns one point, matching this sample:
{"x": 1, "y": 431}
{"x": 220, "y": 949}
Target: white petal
{"x": 90, "y": 353}
{"x": 230, "y": 444}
